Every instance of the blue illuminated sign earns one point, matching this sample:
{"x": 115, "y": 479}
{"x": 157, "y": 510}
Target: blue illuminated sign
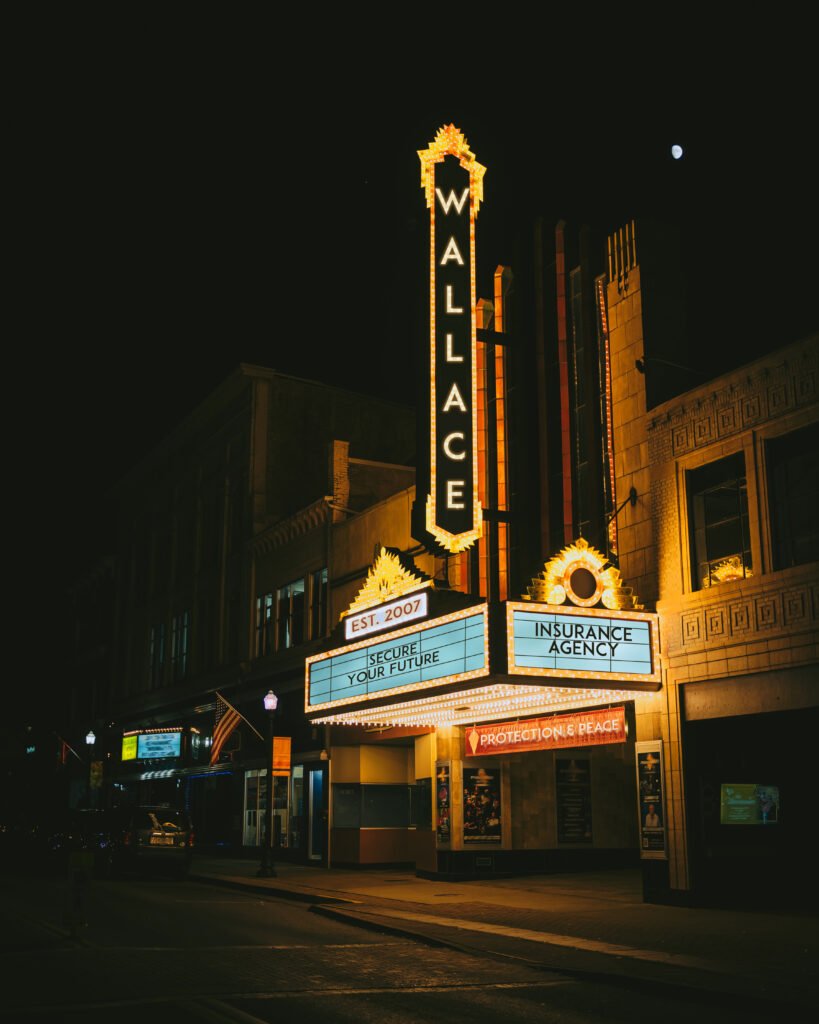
{"x": 588, "y": 644}
{"x": 446, "y": 649}
{"x": 158, "y": 744}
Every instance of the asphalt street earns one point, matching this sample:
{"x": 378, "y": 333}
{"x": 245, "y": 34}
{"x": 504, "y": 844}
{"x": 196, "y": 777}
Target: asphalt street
{"x": 158, "y": 950}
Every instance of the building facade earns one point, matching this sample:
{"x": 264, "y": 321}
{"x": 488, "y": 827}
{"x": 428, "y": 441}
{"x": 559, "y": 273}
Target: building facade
{"x": 606, "y": 655}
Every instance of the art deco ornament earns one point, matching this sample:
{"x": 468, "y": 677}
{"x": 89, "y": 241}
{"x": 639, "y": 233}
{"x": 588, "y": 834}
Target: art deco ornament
{"x": 389, "y": 577}
{"x": 580, "y": 574}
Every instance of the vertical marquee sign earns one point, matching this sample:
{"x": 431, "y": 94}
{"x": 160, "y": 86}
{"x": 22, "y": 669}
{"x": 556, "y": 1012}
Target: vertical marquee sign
{"x": 453, "y": 185}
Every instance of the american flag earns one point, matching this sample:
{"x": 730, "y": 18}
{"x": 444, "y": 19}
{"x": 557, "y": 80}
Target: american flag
{"x": 226, "y": 720}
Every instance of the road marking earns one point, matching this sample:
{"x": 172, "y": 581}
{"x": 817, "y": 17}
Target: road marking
{"x": 468, "y": 986}
{"x": 209, "y": 949}
{"x": 310, "y": 993}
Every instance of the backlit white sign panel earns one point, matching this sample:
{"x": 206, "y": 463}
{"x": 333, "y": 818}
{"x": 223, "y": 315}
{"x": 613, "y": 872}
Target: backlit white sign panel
{"x": 585, "y": 643}
{"x": 158, "y": 744}
{"x": 444, "y": 650}
{"x": 392, "y": 614}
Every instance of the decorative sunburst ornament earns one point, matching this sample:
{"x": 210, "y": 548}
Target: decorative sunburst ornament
{"x": 726, "y": 571}
{"x": 582, "y": 575}
{"x": 450, "y": 141}
{"x": 388, "y": 578}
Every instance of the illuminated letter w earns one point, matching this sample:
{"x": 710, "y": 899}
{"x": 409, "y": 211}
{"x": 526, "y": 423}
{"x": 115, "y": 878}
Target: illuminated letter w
{"x": 451, "y": 200}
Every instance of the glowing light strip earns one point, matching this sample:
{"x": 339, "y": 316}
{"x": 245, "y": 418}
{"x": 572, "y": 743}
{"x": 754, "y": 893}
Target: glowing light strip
{"x": 655, "y": 676}
{"x": 481, "y": 704}
{"x": 609, "y": 433}
{"x": 385, "y": 638}
{"x": 145, "y": 732}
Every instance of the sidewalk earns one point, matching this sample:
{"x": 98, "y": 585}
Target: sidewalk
{"x": 592, "y": 923}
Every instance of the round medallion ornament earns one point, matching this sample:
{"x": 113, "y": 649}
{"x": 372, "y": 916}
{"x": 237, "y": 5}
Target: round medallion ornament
{"x": 583, "y": 576}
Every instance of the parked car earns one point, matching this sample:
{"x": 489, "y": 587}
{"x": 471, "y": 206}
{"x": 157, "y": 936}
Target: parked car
{"x": 156, "y": 836}
{"x": 82, "y": 831}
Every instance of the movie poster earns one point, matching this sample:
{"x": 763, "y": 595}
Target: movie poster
{"x": 442, "y": 801}
{"x": 650, "y": 800}
{"x": 482, "y": 806}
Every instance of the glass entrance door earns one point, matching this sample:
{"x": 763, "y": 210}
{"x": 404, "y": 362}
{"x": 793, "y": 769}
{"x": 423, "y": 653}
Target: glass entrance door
{"x": 253, "y": 810}
{"x": 317, "y": 826}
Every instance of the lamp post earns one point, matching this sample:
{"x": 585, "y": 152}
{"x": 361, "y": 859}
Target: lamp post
{"x": 267, "y": 869}
{"x": 90, "y": 740}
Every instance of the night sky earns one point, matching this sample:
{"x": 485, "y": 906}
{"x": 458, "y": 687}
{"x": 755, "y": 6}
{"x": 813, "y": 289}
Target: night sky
{"x": 181, "y": 212}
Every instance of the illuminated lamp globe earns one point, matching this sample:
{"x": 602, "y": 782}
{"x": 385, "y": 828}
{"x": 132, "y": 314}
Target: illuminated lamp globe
{"x": 676, "y": 151}
{"x": 90, "y": 737}
{"x": 271, "y": 701}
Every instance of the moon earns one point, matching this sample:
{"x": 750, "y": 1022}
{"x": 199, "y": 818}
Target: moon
{"x": 676, "y": 151}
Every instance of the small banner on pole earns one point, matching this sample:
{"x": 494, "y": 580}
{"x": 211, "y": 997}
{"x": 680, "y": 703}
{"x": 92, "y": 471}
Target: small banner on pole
{"x": 281, "y": 755}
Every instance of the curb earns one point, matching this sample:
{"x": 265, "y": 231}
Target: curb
{"x": 268, "y": 890}
{"x": 686, "y": 991}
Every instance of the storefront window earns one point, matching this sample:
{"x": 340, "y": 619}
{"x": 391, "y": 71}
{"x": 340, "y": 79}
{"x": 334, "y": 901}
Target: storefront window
{"x": 371, "y": 806}
{"x": 255, "y": 819}
{"x": 297, "y": 807}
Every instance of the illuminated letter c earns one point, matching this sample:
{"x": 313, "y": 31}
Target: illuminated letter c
{"x": 455, "y": 456}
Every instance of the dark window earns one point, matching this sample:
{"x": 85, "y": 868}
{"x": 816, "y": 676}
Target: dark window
{"x": 718, "y": 515}
{"x": 264, "y": 625}
{"x": 318, "y": 604}
{"x": 371, "y": 806}
{"x": 291, "y": 614}
{"x": 793, "y": 493}
{"x": 156, "y": 657}
{"x": 180, "y": 644}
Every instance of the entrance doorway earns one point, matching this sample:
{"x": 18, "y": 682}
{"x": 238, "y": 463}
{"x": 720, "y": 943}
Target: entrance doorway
{"x": 317, "y": 814}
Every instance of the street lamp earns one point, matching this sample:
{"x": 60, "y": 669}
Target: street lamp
{"x": 267, "y": 868}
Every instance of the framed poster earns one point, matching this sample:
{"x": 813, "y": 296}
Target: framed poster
{"x": 650, "y": 802}
{"x": 483, "y": 816}
{"x": 574, "y": 801}
{"x": 443, "y": 802}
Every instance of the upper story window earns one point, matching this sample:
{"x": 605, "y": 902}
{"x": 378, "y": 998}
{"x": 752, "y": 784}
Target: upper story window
{"x": 718, "y": 519}
{"x": 290, "y": 614}
{"x": 156, "y": 654}
{"x": 283, "y": 617}
{"x": 180, "y": 644}
{"x": 318, "y": 604}
{"x": 793, "y": 492}
{"x": 264, "y": 625}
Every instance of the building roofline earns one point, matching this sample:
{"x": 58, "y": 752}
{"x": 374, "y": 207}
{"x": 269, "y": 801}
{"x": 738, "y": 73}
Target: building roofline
{"x": 229, "y": 386}
{"x": 775, "y": 358}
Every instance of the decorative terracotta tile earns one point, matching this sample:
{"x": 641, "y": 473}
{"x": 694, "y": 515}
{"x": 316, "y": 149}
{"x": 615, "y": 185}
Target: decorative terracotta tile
{"x": 680, "y": 441}
{"x": 806, "y": 387}
{"x": 752, "y": 410}
{"x": 795, "y": 606}
{"x": 740, "y": 617}
{"x": 703, "y": 430}
{"x": 727, "y": 420}
{"x": 766, "y": 612}
{"x": 692, "y": 627}
{"x": 778, "y": 398}
{"x": 715, "y": 622}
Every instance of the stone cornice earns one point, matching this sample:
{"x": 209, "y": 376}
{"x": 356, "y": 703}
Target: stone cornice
{"x": 286, "y": 530}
